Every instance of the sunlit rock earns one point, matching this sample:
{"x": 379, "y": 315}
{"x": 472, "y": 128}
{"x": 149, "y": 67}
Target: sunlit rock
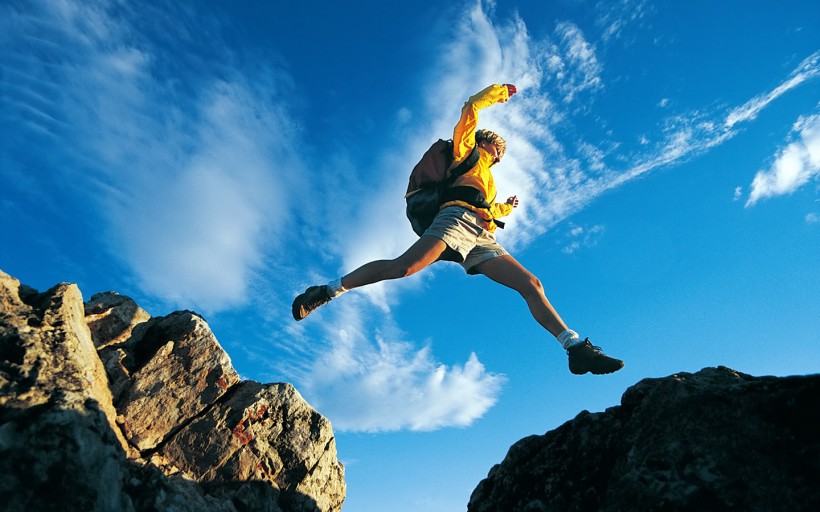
{"x": 104, "y": 408}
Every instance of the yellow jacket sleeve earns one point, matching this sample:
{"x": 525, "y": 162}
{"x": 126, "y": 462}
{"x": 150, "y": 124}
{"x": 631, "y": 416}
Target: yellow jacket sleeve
{"x": 479, "y": 176}
{"x": 501, "y": 210}
{"x": 464, "y": 133}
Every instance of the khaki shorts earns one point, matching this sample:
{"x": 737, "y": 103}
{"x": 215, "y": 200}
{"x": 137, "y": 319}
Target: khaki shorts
{"x": 461, "y": 229}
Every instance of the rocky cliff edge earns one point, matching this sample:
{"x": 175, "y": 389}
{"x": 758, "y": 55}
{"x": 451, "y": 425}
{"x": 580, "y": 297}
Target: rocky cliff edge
{"x": 715, "y": 440}
{"x": 104, "y": 408}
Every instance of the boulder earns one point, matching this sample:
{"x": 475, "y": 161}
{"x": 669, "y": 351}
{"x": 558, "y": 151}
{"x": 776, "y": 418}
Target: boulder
{"x": 175, "y": 369}
{"x": 104, "y": 408}
{"x": 60, "y": 447}
{"x": 111, "y": 318}
{"x": 713, "y": 440}
{"x": 264, "y": 433}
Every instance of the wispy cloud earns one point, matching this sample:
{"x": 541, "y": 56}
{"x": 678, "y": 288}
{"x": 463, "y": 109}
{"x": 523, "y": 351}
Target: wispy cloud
{"x": 371, "y": 380}
{"x": 808, "y": 69}
{"x": 580, "y": 237}
{"x": 187, "y": 167}
{"x": 794, "y": 166}
{"x": 573, "y": 62}
{"x": 581, "y": 179}
{"x": 615, "y": 16}
{"x": 737, "y": 194}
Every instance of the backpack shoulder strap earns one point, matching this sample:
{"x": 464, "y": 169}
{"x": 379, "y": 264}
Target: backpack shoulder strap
{"x": 465, "y": 165}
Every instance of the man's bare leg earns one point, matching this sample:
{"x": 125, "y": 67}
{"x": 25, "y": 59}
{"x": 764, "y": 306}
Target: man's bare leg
{"x": 508, "y": 271}
{"x": 583, "y": 356}
{"x": 421, "y": 254}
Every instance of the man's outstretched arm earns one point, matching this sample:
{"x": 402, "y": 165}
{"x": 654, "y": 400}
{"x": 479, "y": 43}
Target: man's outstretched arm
{"x": 464, "y": 133}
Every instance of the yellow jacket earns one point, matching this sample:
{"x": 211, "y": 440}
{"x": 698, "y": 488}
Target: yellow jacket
{"x": 479, "y": 177}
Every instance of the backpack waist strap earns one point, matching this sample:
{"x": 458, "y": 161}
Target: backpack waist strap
{"x": 469, "y": 195}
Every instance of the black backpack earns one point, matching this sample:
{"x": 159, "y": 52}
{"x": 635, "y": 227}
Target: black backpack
{"x": 430, "y": 184}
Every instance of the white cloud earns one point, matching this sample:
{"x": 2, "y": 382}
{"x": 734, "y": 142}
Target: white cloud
{"x": 574, "y": 64}
{"x": 809, "y": 68}
{"x": 213, "y": 213}
{"x": 794, "y": 166}
{"x": 580, "y": 237}
{"x": 373, "y": 381}
{"x": 187, "y": 179}
{"x": 615, "y": 16}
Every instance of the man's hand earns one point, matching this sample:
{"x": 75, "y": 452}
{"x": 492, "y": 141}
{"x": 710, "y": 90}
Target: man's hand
{"x": 513, "y": 201}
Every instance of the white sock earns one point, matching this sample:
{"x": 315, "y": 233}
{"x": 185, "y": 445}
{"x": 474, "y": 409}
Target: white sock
{"x": 335, "y": 288}
{"x": 569, "y": 338}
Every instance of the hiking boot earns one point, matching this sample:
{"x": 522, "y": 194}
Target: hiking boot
{"x": 313, "y": 297}
{"x": 584, "y": 357}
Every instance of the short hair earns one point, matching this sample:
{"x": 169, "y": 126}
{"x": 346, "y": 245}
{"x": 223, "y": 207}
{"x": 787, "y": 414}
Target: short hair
{"x": 492, "y": 138}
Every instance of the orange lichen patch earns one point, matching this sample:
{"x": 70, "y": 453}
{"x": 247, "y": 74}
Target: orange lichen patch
{"x": 251, "y": 416}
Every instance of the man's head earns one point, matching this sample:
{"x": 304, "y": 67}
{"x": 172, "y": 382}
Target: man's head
{"x": 491, "y": 138}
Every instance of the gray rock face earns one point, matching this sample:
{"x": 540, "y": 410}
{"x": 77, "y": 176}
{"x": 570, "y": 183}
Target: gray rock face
{"x": 265, "y": 434}
{"x": 175, "y": 369}
{"x": 104, "y": 408}
{"x": 713, "y": 440}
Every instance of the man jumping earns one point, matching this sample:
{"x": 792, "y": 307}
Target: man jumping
{"x": 464, "y": 231}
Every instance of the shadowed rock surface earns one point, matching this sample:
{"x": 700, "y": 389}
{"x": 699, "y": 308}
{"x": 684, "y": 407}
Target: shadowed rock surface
{"x": 104, "y": 408}
{"x": 713, "y": 440}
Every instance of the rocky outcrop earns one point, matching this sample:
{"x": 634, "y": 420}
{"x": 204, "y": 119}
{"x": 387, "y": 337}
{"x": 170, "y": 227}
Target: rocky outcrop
{"x": 713, "y": 440}
{"x": 104, "y": 408}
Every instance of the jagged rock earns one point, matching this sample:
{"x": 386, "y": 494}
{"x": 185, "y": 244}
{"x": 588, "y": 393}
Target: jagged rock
{"x": 198, "y": 439}
{"x": 111, "y": 318}
{"x": 264, "y": 433}
{"x": 57, "y": 421}
{"x": 713, "y": 440}
{"x": 176, "y": 369}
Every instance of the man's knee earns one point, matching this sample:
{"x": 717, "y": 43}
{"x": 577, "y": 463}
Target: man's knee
{"x": 532, "y": 286}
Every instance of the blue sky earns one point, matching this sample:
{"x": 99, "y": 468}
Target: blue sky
{"x": 222, "y": 156}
